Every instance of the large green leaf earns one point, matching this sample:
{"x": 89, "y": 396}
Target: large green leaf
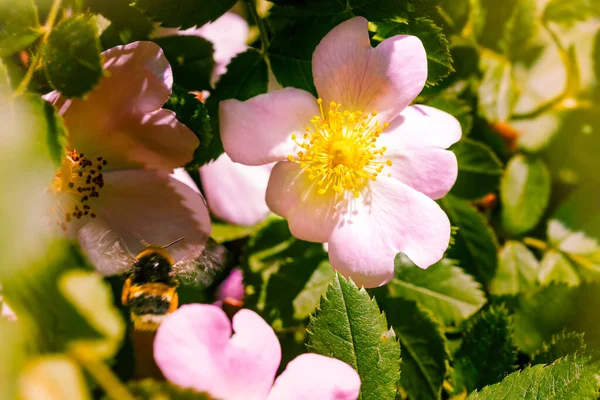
{"x": 192, "y": 113}
{"x": 560, "y": 345}
{"x": 443, "y": 288}
{"x": 191, "y": 58}
{"x": 19, "y": 25}
{"x": 476, "y": 245}
{"x": 439, "y": 61}
{"x": 349, "y": 326}
{"x": 520, "y": 30}
{"x": 72, "y": 56}
{"x": 486, "y": 354}
{"x": 524, "y": 194}
{"x": 183, "y": 13}
{"x": 497, "y": 93}
{"x": 425, "y": 352}
{"x": 517, "y": 269}
{"x": 479, "y": 169}
{"x": 567, "y": 378}
{"x": 247, "y": 76}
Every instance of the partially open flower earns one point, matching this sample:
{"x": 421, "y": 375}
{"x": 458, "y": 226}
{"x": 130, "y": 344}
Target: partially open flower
{"x": 123, "y": 148}
{"x": 194, "y": 348}
{"x": 358, "y": 168}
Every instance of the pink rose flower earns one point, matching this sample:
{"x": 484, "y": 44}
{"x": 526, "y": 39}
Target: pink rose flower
{"x": 358, "y": 168}
{"x": 194, "y": 348}
{"x": 123, "y": 149}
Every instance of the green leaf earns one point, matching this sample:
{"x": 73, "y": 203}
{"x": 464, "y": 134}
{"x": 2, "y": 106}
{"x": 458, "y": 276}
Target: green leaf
{"x": 183, "y": 13}
{"x": 580, "y": 212}
{"x": 517, "y": 270}
{"x": 476, "y": 245}
{"x": 486, "y": 354}
{"x": 150, "y": 389}
{"x": 567, "y": 13}
{"x": 439, "y": 61}
{"x": 191, "y": 58}
{"x": 566, "y": 378}
{"x": 247, "y": 76}
{"x": 53, "y": 377}
{"x": 192, "y": 113}
{"x": 291, "y": 54}
{"x": 349, "y": 326}
{"x": 479, "y": 169}
{"x": 555, "y": 267}
{"x": 520, "y": 30}
{"x": 13, "y": 348}
{"x": 497, "y": 93}
{"x": 53, "y": 325}
{"x": 559, "y": 346}
{"x": 92, "y": 298}
{"x": 524, "y": 194}
{"x": 72, "y": 56}
{"x": 425, "y": 352}
{"x": 127, "y": 24}
{"x": 456, "y": 107}
{"x": 19, "y": 26}
{"x": 222, "y": 232}
{"x": 449, "y": 293}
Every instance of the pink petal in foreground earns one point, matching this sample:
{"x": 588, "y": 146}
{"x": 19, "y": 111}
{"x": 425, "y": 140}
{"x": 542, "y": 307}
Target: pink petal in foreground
{"x": 347, "y": 70}
{"x": 121, "y": 119}
{"x": 292, "y": 195}
{"x": 388, "y": 218}
{"x": 258, "y": 131}
{"x": 194, "y": 349}
{"x": 313, "y": 376}
{"x": 235, "y": 192}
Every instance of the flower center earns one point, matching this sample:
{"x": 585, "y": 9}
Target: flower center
{"x": 75, "y": 185}
{"x": 339, "y": 151}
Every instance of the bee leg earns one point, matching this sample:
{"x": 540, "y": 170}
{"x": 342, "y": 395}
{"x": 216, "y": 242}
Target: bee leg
{"x": 174, "y": 303}
{"x": 125, "y": 292}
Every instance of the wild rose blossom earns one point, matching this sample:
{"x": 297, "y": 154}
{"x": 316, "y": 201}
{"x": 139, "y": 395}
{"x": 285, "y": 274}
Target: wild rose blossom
{"x": 358, "y": 167}
{"x": 123, "y": 149}
{"x": 194, "y": 348}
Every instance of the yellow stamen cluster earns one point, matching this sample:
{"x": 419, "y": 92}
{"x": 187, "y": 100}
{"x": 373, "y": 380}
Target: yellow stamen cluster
{"x": 78, "y": 181}
{"x": 339, "y": 150}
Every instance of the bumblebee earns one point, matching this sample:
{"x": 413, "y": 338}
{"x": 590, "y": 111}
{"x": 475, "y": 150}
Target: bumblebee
{"x": 152, "y": 277}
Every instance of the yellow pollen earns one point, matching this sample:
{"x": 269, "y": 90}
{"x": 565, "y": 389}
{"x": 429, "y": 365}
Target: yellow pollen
{"x": 340, "y": 153}
{"x": 77, "y": 183}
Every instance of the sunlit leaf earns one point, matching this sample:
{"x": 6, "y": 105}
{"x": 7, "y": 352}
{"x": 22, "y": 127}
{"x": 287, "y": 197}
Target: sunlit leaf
{"x": 567, "y": 378}
{"x": 560, "y": 345}
{"x": 443, "y": 288}
{"x": 53, "y": 377}
{"x": 555, "y": 267}
{"x": 517, "y": 270}
{"x": 183, "y": 13}
{"x": 19, "y": 25}
{"x": 524, "y": 193}
{"x": 568, "y": 13}
{"x": 349, "y": 326}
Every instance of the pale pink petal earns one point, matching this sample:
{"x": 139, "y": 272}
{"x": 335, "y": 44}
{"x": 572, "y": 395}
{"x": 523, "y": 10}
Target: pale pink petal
{"x": 421, "y": 127}
{"x": 156, "y": 207}
{"x": 120, "y": 119}
{"x": 228, "y": 34}
{"x": 430, "y": 171}
{"x": 232, "y": 287}
{"x": 347, "y": 70}
{"x": 390, "y": 217}
{"x": 235, "y": 192}
{"x": 313, "y": 376}
{"x": 258, "y": 131}
{"x": 291, "y": 194}
{"x": 194, "y": 349}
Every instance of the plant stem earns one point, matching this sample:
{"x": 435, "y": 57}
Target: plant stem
{"x": 103, "y": 375}
{"x": 535, "y": 243}
{"x": 36, "y": 58}
{"x": 262, "y": 29}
